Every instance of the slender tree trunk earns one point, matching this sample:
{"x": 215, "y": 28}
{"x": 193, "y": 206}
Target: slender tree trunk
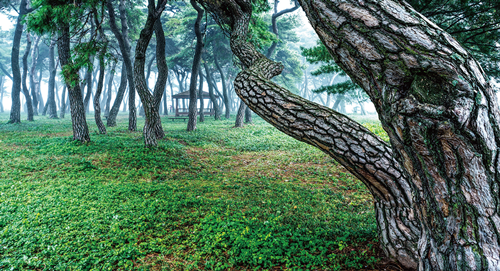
{"x": 52, "y": 78}
{"x": 97, "y": 96}
{"x": 15, "y": 111}
{"x": 110, "y": 90}
{"x": 111, "y": 120}
{"x": 240, "y": 115}
{"x": 200, "y": 94}
{"x": 436, "y": 187}
{"x": 211, "y": 92}
{"x": 224, "y": 88}
{"x": 26, "y": 92}
{"x": 63, "y": 103}
{"x": 165, "y": 104}
{"x": 195, "y": 69}
{"x": 123, "y": 42}
{"x": 274, "y": 24}
{"x": 33, "y": 83}
{"x": 80, "y": 128}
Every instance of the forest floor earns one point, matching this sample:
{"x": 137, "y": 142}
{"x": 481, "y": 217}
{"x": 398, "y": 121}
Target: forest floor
{"x": 219, "y": 198}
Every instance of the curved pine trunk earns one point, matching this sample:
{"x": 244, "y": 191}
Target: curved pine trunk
{"x": 111, "y": 120}
{"x": 26, "y": 92}
{"x": 192, "y": 113}
{"x": 97, "y": 96}
{"x": 436, "y": 187}
{"x": 151, "y": 103}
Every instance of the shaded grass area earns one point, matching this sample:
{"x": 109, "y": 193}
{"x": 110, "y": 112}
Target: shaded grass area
{"x": 219, "y": 198}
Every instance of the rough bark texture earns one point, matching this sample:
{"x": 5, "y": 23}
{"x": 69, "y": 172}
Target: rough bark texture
{"x": 436, "y": 188}
{"x": 52, "y": 80}
{"x": 195, "y": 69}
{"x": 151, "y": 102}
{"x": 15, "y": 111}
{"x": 111, "y": 120}
{"x": 26, "y": 92}
{"x": 123, "y": 42}
{"x": 71, "y": 78}
{"x": 240, "y": 115}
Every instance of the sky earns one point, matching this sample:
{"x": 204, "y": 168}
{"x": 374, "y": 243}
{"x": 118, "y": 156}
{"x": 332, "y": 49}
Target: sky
{"x": 5, "y": 24}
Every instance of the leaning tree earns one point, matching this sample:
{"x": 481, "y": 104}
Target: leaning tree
{"x": 436, "y": 185}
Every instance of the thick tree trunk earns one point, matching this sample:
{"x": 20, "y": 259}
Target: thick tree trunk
{"x": 195, "y": 69}
{"x": 153, "y": 129}
{"x": 71, "y": 78}
{"x": 52, "y": 79}
{"x": 26, "y": 92}
{"x": 436, "y": 190}
{"x": 111, "y": 120}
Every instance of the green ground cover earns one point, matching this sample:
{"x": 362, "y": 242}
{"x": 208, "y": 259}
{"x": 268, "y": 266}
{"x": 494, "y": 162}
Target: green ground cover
{"x": 218, "y": 198}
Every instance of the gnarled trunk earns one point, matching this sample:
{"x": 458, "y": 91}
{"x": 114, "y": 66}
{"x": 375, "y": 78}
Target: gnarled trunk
{"x": 436, "y": 187}
{"x": 26, "y": 92}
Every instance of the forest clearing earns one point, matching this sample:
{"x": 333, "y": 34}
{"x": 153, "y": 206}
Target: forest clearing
{"x": 217, "y": 198}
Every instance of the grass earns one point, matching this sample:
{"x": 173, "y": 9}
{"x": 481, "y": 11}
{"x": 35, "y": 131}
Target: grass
{"x": 219, "y": 198}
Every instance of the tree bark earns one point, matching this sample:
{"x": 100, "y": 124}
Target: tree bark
{"x": 52, "y": 79}
{"x": 110, "y": 90}
{"x": 436, "y": 187}
{"x": 123, "y": 42}
{"x": 153, "y": 129}
{"x": 200, "y": 93}
{"x": 1, "y": 93}
{"x": 248, "y": 115}
{"x": 240, "y": 115}
{"x": 15, "y": 111}
{"x": 211, "y": 92}
{"x": 97, "y": 96}
{"x": 33, "y": 83}
{"x": 71, "y": 78}
{"x": 111, "y": 120}
{"x": 26, "y": 92}
{"x": 195, "y": 69}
